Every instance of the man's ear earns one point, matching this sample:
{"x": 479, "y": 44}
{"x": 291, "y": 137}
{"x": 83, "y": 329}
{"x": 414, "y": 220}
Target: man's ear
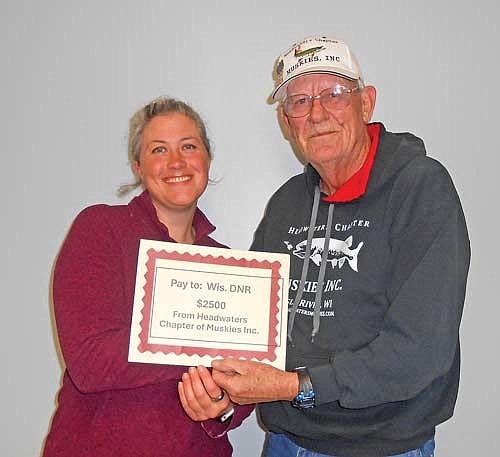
{"x": 284, "y": 122}
{"x": 368, "y": 98}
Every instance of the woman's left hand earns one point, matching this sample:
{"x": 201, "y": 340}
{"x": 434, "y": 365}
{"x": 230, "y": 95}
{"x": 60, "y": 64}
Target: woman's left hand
{"x": 200, "y": 396}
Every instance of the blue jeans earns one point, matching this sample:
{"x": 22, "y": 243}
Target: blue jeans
{"x": 282, "y": 446}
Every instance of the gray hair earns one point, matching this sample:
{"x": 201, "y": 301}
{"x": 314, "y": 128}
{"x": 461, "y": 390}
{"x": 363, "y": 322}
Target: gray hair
{"x": 161, "y": 106}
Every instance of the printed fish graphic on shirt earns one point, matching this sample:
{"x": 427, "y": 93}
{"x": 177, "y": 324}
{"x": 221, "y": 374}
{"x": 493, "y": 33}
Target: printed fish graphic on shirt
{"x": 338, "y": 252}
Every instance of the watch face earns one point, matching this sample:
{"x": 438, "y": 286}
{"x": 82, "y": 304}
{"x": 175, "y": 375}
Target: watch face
{"x": 306, "y": 395}
{"x": 304, "y": 401}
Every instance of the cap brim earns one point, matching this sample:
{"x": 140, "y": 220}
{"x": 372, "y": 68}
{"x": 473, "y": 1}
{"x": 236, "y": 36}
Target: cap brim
{"x": 279, "y": 92}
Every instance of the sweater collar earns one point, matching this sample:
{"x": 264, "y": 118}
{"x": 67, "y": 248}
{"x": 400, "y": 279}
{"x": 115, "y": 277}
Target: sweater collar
{"x": 356, "y": 185}
{"x": 202, "y": 226}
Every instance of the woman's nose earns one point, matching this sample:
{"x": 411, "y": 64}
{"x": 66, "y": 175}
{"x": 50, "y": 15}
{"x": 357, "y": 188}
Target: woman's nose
{"x": 176, "y": 160}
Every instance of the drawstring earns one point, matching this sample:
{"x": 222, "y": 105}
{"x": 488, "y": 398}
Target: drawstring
{"x": 305, "y": 268}
{"x": 321, "y": 277}
{"x": 305, "y": 265}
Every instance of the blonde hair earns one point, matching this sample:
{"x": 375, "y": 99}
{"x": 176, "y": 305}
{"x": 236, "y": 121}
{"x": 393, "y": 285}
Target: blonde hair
{"x": 158, "y": 107}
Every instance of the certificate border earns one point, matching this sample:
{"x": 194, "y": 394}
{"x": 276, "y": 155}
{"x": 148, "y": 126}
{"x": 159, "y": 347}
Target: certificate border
{"x": 272, "y": 343}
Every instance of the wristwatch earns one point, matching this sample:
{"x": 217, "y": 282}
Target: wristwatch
{"x": 306, "y": 396}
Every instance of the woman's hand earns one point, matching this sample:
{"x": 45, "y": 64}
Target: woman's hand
{"x": 200, "y": 396}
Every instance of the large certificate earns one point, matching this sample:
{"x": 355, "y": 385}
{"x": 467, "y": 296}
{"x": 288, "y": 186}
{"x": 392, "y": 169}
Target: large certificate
{"x": 196, "y": 303}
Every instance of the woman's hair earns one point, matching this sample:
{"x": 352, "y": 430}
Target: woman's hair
{"x": 159, "y": 107}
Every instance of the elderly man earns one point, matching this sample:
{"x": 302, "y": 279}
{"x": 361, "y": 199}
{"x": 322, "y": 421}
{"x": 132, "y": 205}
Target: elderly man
{"x": 379, "y": 259}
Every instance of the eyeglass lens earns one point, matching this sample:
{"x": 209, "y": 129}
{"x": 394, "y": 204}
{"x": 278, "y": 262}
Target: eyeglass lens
{"x": 332, "y": 99}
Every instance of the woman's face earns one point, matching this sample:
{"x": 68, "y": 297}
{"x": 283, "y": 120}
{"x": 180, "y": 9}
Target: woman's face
{"x": 173, "y": 163}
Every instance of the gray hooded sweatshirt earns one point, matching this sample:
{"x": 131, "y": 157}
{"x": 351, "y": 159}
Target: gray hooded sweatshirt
{"x": 377, "y": 322}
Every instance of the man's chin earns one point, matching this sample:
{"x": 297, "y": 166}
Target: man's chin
{"x": 323, "y": 154}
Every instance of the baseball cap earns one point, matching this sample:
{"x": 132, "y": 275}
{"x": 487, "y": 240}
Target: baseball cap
{"x": 314, "y": 55}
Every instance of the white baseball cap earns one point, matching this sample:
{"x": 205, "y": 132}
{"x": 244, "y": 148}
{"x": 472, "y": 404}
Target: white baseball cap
{"x": 314, "y": 55}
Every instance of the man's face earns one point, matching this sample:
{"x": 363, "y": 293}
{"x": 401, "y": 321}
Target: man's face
{"x": 325, "y": 136}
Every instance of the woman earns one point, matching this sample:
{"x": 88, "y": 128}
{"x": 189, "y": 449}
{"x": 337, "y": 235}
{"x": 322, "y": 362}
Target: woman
{"x": 108, "y": 406}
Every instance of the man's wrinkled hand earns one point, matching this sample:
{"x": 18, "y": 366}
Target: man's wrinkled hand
{"x": 254, "y": 382}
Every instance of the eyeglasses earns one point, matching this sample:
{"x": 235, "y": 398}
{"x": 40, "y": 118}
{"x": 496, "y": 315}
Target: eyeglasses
{"x": 335, "y": 98}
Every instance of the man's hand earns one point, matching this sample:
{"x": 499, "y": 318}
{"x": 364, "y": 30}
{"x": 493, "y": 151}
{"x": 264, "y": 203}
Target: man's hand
{"x": 200, "y": 396}
{"x": 254, "y": 382}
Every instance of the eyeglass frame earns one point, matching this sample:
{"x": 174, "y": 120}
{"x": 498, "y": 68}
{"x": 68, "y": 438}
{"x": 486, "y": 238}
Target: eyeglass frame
{"x": 310, "y": 98}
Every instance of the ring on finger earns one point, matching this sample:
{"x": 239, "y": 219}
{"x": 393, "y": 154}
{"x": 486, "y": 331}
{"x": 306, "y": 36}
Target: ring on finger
{"x": 220, "y": 397}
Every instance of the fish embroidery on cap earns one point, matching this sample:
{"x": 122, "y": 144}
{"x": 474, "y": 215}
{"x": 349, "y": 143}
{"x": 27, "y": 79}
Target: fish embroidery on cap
{"x": 299, "y": 53}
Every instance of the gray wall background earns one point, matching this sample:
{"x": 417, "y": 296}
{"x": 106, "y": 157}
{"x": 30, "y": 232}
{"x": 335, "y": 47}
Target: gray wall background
{"x": 72, "y": 74}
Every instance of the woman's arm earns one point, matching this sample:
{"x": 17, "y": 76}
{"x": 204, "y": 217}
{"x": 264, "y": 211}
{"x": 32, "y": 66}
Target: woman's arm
{"x": 93, "y": 309}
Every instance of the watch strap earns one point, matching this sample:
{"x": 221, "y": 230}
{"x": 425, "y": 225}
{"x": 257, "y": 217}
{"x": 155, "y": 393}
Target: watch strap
{"x": 306, "y": 396}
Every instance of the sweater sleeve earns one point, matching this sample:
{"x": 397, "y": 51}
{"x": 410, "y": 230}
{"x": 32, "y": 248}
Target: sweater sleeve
{"x": 93, "y": 310}
{"x": 418, "y": 340}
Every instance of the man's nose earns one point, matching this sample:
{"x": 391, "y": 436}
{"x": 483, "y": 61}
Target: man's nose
{"x": 318, "y": 113}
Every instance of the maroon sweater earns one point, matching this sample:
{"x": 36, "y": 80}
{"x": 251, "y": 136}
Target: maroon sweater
{"x": 108, "y": 406}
